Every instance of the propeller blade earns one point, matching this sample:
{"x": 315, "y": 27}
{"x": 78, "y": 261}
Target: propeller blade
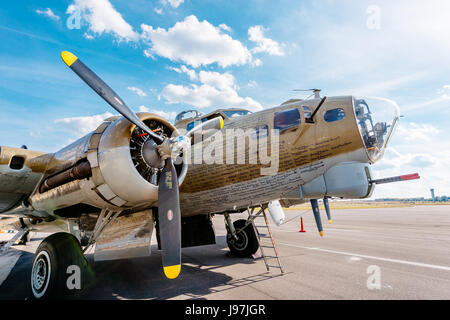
{"x": 168, "y": 194}
{"x": 326, "y": 204}
{"x": 315, "y": 207}
{"x": 169, "y": 220}
{"x": 104, "y": 91}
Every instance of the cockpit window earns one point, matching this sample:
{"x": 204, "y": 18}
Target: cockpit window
{"x": 334, "y": 115}
{"x": 376, "y": 118}
{"x": 286, "y": 119}
{"x": 235, "y": 113}
{"x": 187, "y": 114}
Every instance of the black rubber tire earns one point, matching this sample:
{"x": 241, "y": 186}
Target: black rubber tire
{"x": 59, "y": 251}
{"x": 247, "y": 244}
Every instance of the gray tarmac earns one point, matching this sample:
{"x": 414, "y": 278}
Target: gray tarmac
{"x": 385, "y": 253}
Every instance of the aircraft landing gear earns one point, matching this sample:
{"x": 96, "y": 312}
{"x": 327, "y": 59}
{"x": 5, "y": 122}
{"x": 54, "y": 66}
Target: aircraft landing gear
{"x": 59, "y": 270}
{"x": 241, "y": 237}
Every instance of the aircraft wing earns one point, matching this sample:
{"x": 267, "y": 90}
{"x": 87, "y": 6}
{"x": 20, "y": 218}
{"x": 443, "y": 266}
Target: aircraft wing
{"x": 21, "y": 170}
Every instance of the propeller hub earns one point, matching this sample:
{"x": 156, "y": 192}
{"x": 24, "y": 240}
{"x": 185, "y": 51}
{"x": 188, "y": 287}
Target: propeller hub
{"x": 151, "y": 155}
{"x": 171, "y": 148}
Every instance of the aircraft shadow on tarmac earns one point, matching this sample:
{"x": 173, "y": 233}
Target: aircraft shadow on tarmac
{"x": 143, "y": 278}
{"x": 17, "y": 285}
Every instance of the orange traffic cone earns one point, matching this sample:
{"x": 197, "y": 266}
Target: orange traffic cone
{"x": 301, "y": 225}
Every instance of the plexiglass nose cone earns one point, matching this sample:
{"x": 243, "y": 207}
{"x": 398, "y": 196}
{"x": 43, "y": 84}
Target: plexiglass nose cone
{"x": 377, "y": 118}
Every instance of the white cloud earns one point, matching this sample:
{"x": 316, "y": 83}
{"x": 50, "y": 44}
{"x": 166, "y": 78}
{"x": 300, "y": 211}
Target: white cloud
{"x": 222, "y": 81}
{"x": 273, "y": 48}
{"x": 196, "y": 43}
{"x": 49, "y": 13}
{"x": 415, "y": 147}
{"x": 103, "y": 18}
{"x": 168, "y": 115}
{"x": 430, "y": 103}
{"x": 183, "y": 69}
{"x": 216, "y": 90}
{"x": 385, "y": 86}
{"x": 344, "y": 44}
{"x": 158, "y": 10}
{"x": 148, "y": 54}
{"x": 224, "y": 27}
{"x": 173, "y": 3}
{"x": 418, "y": 132}
{"x": 252, "y": 84}
{"x": 138, "y": 91}
{"x": 256, "y": 63}
{"x": 88, "y": 36}
{"x": 81, "y": 126}
{"x": 445, "y": 91}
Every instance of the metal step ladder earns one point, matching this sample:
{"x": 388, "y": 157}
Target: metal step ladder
{"x": 263, "y": 242}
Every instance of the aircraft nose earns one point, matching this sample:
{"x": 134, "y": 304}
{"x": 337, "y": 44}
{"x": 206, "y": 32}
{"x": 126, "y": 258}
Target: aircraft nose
{"x": 377, "y": 118}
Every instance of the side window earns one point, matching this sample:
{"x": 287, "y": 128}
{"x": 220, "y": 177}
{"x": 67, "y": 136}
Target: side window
{"x": 307, "y": 111}
{"x": 17, "y": 162}
{"x": 192, "y": 124}
{"x": 334, "y": 115}
{"x": 286, "y": 119}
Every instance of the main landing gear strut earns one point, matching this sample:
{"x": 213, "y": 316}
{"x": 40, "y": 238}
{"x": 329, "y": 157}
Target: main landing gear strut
{"x": 241, "y": 237}
{"x": 244, "y": 238}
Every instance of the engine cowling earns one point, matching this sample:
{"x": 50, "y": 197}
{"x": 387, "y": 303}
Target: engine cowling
{"x": 123, "y": 174}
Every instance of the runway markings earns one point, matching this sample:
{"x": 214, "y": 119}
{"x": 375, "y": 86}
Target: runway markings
{"x": 372, "y": 233}
{"x": 355, "y": 258}
{"x": 411, "y": 263}
{"x": 296, "y": 230}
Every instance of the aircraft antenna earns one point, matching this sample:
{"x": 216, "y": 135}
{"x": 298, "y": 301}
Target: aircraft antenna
{"x": 316, "y": 92}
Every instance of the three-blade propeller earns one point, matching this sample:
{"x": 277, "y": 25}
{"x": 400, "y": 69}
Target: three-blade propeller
{"x": 168, "y": 193}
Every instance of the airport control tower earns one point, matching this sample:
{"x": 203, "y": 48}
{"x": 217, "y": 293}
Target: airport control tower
{"x": 433, "y": 198}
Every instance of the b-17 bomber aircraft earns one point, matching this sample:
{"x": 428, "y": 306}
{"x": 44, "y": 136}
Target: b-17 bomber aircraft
{"x": 136, "y": 173}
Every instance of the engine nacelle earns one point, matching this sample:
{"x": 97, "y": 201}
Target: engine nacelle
{"x": 120, "y": 176}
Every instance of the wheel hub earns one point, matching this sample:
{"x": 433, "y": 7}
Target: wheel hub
{"x": 241, "y": 242}
{"x": 40, "y": 274}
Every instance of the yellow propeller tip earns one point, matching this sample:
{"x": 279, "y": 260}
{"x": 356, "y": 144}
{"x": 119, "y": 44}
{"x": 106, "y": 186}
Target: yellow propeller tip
{"x": 321, "y": 233}
{"x": 68, "y": 58}
{"x": 172, "y": 272}
{"x": 330, "y": 221}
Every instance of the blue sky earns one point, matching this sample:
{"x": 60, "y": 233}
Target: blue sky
{"x": 170, "y": 55}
